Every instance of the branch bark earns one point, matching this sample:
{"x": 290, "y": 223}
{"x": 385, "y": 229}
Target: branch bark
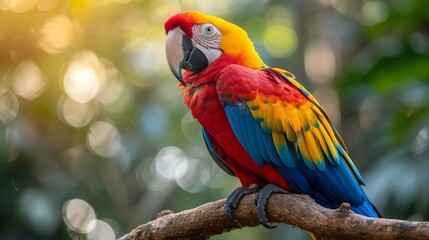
{"x": 295, "y": 209}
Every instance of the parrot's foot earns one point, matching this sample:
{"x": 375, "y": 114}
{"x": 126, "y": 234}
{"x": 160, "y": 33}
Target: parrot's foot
{"x": 261, "y": 202}
{"x": 234, "y": 198}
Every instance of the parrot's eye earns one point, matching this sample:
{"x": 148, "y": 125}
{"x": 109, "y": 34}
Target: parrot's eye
{"x": 208, "y": 30}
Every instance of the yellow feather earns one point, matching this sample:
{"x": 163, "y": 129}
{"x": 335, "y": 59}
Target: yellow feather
{"x": 318, "y": 111}
{"x": 269, "y": 116}
{"x": 290, "y": 133}
{"x": 252, "y": 104}
{"x": 312, "y": 119}
{"x": 260, "y": 111}
{"x": 328, "y": 128}
{"x": 304, "y": 124}
{"x": 282, "y": 71}
{"x": 235, "y": 41}
{"x": 295, "y": 122}
{"x": 329, "y": 142}
{"x": 302, "y": 144}
{"x": 278, "y": 125}
{"x": 278, "y": 116}
{"x": 320, "y": 139}
{"x": 279, "y": 141}
{"x": 327, "y": 123}
{"x": 313, "y": 147}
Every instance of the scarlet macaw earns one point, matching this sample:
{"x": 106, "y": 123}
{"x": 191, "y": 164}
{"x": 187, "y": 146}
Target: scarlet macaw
{"x": 259, "y": 123}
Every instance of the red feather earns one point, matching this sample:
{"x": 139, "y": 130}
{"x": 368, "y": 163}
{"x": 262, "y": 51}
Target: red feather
{"x": 184, "y": 21}
{"x": 205, "y": 106}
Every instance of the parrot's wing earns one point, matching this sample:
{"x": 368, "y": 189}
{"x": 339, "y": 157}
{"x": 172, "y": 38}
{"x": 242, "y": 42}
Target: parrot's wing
{"x": 216, "y": 152}
{"x": 279, "y": 123}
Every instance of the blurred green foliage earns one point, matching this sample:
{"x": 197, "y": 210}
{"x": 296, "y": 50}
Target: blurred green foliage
{"x": 93, "y": 127}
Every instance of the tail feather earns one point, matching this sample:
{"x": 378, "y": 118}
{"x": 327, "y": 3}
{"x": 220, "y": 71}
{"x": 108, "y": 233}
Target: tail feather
{"x": 313, "y": 237}
{"x": 366, "y": 209}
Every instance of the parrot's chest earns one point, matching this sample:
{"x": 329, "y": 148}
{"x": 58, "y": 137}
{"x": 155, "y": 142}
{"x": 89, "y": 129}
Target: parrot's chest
{"x": 206, "y": 107}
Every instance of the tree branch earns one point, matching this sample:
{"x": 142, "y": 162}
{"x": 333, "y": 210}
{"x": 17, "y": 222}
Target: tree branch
{"x": 295, "y": 209}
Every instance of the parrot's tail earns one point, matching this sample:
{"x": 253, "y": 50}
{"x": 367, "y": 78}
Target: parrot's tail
{"x": 367, "y": 209}
{"x": 313, "y": 237}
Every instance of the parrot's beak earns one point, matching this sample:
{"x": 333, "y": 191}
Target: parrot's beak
{"x": 181, "y": 54}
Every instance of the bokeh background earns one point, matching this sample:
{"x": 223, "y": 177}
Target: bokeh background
{"x": 95, "y": 140}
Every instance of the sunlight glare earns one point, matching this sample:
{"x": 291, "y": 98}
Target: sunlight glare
{"x": 374, "y": 12}
{"x": 76, "y": 114}
{"x": 104, "y": 139}
{"x": 187, "y": 175}
{"x": 83, "y": 77}
{"x": 143, "y": 59}
{"x": 17, "y": 6}
{"x": 112, "y": 88}
{"x": 9, "y": 106}
{"x": 102, "y": 230}
{"x": 149, "y": 178}
{"x": 320, "y": 65}
{"x": 79, "y": 216}
{"x": 29, "y": 81}
{"x": 46, "y": 5}
{"x": 280, "y": 41}
{"x": 168, "y": 160}
{"x": 56, "y": 34}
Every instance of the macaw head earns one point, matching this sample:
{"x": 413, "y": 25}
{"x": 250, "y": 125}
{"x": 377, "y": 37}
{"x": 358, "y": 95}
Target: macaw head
{"x": 196, "y": 40}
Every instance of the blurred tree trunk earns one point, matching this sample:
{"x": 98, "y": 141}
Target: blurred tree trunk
{"x": 298, "y": 210}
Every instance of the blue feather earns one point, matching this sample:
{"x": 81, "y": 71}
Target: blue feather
{"x": 329, "y": 186}
{"x": 287, "y": 156}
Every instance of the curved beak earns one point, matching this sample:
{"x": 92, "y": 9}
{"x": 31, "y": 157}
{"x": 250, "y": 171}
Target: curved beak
{"x": 181, "y": 54}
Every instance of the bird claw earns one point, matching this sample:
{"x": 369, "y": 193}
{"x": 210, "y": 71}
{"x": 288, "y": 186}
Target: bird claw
{"x": 234, "y": 198}
{"x": 261, "y": 202}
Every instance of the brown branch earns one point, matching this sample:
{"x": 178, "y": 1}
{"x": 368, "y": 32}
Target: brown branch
{"x": 298, "y": 210}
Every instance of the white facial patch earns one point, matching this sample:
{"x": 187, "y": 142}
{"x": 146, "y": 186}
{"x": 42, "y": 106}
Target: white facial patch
{"x": 207, "y": 38}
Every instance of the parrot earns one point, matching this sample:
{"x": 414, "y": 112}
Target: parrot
{"x": 259, "y": 123}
